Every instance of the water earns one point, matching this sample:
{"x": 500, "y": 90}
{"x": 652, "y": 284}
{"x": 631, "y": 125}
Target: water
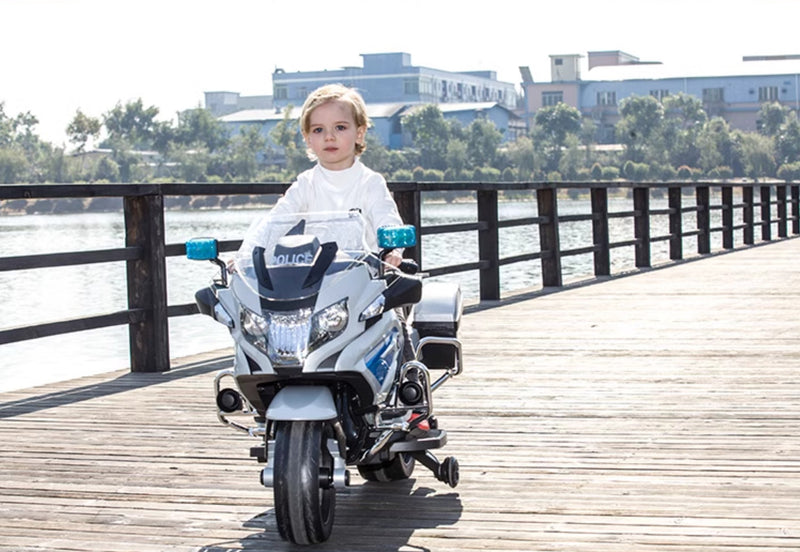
{"x": 49, "y": 294}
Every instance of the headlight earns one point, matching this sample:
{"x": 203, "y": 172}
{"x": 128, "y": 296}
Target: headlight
{"x": 329, "y": 323}
{"x": 373, "y": 309}
{"x": 287, "y": 337}
{"x": 254, "y": 328}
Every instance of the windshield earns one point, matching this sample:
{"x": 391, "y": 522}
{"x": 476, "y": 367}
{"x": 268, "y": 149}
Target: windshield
{"x": 296, "y": 241}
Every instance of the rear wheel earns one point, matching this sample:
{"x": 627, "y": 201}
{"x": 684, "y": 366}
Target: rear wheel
{"x": 303, "y": 482}
{"x": 399, "y": 467}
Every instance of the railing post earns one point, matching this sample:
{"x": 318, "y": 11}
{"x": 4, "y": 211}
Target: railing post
{"x": 547, "y": 204}
{"x": 641, "y": 226}
{"x": 796, "y": 209}
{"x": 147, "y": 283}
{"x": 780, "y": 190}
{"x": 727, "y": 217}
{"x": 675, "y": 223}
{"x": 703, "y": 220}
{"x": 489, "y": 245}
{"x": 409, "y": 206}
{"x": 602, "y": 254}
{"x": 766, "y": 213}
{"x": 748, "y": 216}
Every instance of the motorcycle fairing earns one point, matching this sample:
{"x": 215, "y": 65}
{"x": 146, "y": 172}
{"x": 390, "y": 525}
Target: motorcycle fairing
{"x": 312, "y": 263}
{"x": 383, "y": 357}
{"x": 306, "y": 402}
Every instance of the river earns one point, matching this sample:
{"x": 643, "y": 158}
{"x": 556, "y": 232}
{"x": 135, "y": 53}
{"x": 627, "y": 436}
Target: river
{"x": 50, "y": 294}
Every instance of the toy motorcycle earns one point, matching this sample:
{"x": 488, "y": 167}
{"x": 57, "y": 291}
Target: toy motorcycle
{"x": 319, "y": 346}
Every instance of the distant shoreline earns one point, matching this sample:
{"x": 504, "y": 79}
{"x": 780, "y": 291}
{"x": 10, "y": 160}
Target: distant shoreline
{"x": 63, "y": 206}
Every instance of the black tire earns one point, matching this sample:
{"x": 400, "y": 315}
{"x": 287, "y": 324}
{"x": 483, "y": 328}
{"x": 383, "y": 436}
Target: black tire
{"x": 396, "y": 469}
{"x": 304, "y": 502}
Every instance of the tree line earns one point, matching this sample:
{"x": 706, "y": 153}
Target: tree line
{"x": 657, "y": 140}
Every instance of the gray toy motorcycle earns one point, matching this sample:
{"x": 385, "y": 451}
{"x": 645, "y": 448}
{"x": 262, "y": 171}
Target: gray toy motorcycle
{"x": 322, "y": 373}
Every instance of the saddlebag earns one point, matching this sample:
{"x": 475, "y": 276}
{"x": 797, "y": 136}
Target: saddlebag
{"x": 438, "y": 314}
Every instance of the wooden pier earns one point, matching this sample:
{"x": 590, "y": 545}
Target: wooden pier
{"x": 655, "y": 412}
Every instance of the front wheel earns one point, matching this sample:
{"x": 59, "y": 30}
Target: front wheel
{"x": 303, "y": 487}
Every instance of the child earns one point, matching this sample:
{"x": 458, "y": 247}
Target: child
{"x": 334, "y": 123}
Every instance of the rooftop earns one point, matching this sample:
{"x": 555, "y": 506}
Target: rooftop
{"x": 735, "y": 68}
{"x": 377, "y": 110}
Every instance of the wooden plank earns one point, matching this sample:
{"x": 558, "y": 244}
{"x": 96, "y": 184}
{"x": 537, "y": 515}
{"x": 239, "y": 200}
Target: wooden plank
{"x": 24, "y": 262}
{"x": 648, "y": 413}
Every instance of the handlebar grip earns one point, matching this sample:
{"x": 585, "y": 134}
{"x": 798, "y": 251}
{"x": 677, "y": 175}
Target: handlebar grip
{"x": 409, "y": 266}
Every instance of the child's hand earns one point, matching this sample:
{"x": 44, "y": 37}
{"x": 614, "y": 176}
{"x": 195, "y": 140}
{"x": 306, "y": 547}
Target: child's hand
{"x": 393, "y": 258}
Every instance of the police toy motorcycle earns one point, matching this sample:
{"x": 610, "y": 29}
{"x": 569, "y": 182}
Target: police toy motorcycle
{"x": 319, "y": 360}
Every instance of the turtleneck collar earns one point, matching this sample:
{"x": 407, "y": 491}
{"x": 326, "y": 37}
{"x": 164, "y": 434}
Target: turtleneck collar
{"x": 342, "y": 177}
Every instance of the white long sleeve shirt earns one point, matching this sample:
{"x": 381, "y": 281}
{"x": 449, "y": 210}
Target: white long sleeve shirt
{"x": 320, "y": 189}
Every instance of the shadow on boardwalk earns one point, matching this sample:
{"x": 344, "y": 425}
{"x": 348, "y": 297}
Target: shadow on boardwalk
{"x": 104, "y": 387}
{"x": 373, "y": 517}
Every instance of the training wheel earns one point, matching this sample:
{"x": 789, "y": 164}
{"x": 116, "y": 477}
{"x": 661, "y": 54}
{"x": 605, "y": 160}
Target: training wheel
{"x": 449, "y": 471}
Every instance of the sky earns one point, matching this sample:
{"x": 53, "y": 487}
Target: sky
{"x": 60, "y": 56}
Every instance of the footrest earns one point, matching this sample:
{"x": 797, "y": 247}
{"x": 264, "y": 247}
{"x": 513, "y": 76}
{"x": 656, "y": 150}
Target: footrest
{"x": 434, "y": 438}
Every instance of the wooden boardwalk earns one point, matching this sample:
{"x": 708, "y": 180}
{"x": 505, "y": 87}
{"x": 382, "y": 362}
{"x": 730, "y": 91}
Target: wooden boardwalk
{"x": 656, "y": 412}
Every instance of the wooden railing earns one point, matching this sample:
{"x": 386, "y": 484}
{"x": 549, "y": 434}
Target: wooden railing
{"x": 765, "y": 208}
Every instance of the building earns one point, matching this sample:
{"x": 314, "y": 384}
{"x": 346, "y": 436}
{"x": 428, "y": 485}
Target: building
{"x": 223, "y": 103}
{"x": 596, "y": 86}
{"x": 391, "y": 87}
{"x": 386, "y": 125}
{"x": 505, "y": 120}
{"x": 391, "y": 78}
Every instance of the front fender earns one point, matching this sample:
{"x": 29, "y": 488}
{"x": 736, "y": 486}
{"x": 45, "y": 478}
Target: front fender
{"x": 302, "y": 402}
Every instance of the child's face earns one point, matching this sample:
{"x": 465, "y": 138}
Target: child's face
{"x": 333, "y": 134}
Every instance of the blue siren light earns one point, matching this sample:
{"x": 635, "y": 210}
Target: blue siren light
{"x": 201, "y": 249}
{"x": 392, "y": 237}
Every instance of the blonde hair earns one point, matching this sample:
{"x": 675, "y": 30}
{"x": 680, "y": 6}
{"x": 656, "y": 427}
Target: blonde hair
{"x": 334, "y": 93}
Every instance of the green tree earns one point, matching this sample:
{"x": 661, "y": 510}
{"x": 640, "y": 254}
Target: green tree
{"x": 108, "y": 170}
{"x": 13, "y": 165}
{"x": 523, "y": 158}
{"x": 684, "y": 111}
{"x": 165, "y": 140}
{"x": 245, "y": 151}
{"x": 430, "y": 134}
{"x": 191, "y": 164}
{"x": 132, "y": 123}
{"x": 455, "y": 130}
{"x": 787, "y": 142}
{"x": 82, "y": 128}
{"x": 758, "y": 154}
{"x": 558, "y": 121}
{"x": 572, "y": 157}
{"x": 8, "y": 126}
{"x": 482, "y": 143}
{"x": 376, "y": 156}
{"x": 640, "y": 127}
{"x": 588, "y": 131}
{"x": 29, "y": 158}
{"x": 287, "y": 135}
{"x": 771, "y": 117}
{"x": 199, "y": 127}
{"x": 130, "y": 127}
{"x": 714, "y": 143}
{"x": 457, "y": 156}
{"x": 552, "y": 126}
{"x": 684, "y": 118}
